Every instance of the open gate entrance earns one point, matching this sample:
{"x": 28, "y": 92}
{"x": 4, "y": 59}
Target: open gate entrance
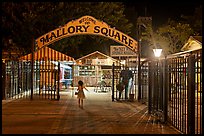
{"x": 92, "y": 26}
{"x": 39, "y": 75}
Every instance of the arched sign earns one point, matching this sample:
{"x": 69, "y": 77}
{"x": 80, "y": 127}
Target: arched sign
{"x": 87, "y": 25}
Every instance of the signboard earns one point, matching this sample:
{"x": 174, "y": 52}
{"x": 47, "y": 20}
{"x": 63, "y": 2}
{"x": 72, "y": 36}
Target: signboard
{"x": 86, "y": 25}
{"x": 116, "y": 51}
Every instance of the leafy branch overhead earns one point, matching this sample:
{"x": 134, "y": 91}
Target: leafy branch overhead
{"x": 24, "y": 20}
{"x": 174, "y": 34}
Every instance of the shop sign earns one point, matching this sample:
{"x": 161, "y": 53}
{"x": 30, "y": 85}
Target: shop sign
{"x": 117, "y": 51}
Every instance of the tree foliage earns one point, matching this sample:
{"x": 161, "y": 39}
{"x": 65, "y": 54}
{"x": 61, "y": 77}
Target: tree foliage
{"x": 195, "y": 21}
{"x": 23, "y": 21}
{"x": 174, "y": 34}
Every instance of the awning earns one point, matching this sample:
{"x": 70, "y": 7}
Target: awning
{"x": 47, "y": 53}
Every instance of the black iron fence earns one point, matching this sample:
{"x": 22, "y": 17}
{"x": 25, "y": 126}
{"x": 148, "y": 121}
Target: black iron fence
{"x": 172, "y": 86}
{"x": 175, "y": 90}
{"x": 38, "y": 74}
{"x": 17, "y": 81}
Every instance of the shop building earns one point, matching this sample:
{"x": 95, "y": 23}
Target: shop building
{"x": 93, "y": 69}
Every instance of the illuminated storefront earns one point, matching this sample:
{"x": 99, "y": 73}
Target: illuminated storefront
{"x": 94, "y": 68}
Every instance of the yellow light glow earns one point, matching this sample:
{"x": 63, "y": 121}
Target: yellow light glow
{"x": 157, "y": 52}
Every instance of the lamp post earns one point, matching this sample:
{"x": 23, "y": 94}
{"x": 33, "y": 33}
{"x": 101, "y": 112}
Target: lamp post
{"x": 158, "y": 88}
{"x": 157, "y": 52}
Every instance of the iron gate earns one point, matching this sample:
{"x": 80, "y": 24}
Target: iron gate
{"x": 17, "y": 80}
{"x": 185, "y": 92}
{"x": 38, "y": 74}
{"x": 176, "y": 90}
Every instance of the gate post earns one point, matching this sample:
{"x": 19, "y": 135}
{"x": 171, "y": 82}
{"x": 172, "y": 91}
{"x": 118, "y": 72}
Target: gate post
{"x": 191, "y": 95}
{"x": 160, "y": 89}
{"x": 113, "y": 67}
{"x": 154, "y": 86}
{"x": 150, "y": 88}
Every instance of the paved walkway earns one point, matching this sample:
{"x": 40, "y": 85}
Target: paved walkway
{"x": 99, "y": 116}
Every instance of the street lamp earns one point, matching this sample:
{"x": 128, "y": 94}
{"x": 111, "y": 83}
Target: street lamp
{"x": 157, "y": 52}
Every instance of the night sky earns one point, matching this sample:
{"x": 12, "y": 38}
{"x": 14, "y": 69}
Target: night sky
{"x": 160, "y": 10}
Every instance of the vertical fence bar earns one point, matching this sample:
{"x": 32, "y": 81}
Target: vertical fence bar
{"x": 201, "y": 125}
{"x": 165, "y": 89}
{"x": 8, "y": 81}
{"x": 49, "y": 72}
{"x": 26, "y": 78}
{"x": 182, "y": 96}
{"x": 113, "y": 79}
{"x": 54, "y": 75}
{"x": 139, "y": 70}
{"x": 135, "y": 77}
{"x": 170, "y": 77}
{"x": 12, "y": 80}
{"x": 52, "y": 68}
{"x": 185, "y": 93}
{"x": 181, "y": 92}
{"x": 176, "y": 93}
{"x": 32, "y": 68}
{"x": 169, "y": 70}
{"x": 23, "y": 78}
{"x": 197, "y": 97}
{"x": 3, "y": 80}
{"x": 191, "y": 95}
{"x": 173, "y": 91}
{"x": 58, "y": 79}
{"x": 40, "y": 69}
{"x": 36, "y": 73}
{"x": 44, "y": 74}
{"x": 18, "y": 80}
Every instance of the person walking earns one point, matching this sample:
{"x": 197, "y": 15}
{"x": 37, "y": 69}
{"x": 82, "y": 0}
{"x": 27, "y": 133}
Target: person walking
{"x": 81, "y": 94}
{"x": 126, "y": 77}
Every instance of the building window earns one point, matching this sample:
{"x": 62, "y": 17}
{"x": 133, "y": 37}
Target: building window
{"x": 88, "y": 61}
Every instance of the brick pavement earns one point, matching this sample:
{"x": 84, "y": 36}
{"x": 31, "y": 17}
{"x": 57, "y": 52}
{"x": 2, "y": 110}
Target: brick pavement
{"x": 99, "y": 116}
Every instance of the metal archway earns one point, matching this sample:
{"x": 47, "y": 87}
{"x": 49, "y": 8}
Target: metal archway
{"x": 82, "y": 26}
{"x": 86, "y": 25}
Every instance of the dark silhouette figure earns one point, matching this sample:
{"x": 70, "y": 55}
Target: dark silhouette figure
{"x": 126, "y": 78}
